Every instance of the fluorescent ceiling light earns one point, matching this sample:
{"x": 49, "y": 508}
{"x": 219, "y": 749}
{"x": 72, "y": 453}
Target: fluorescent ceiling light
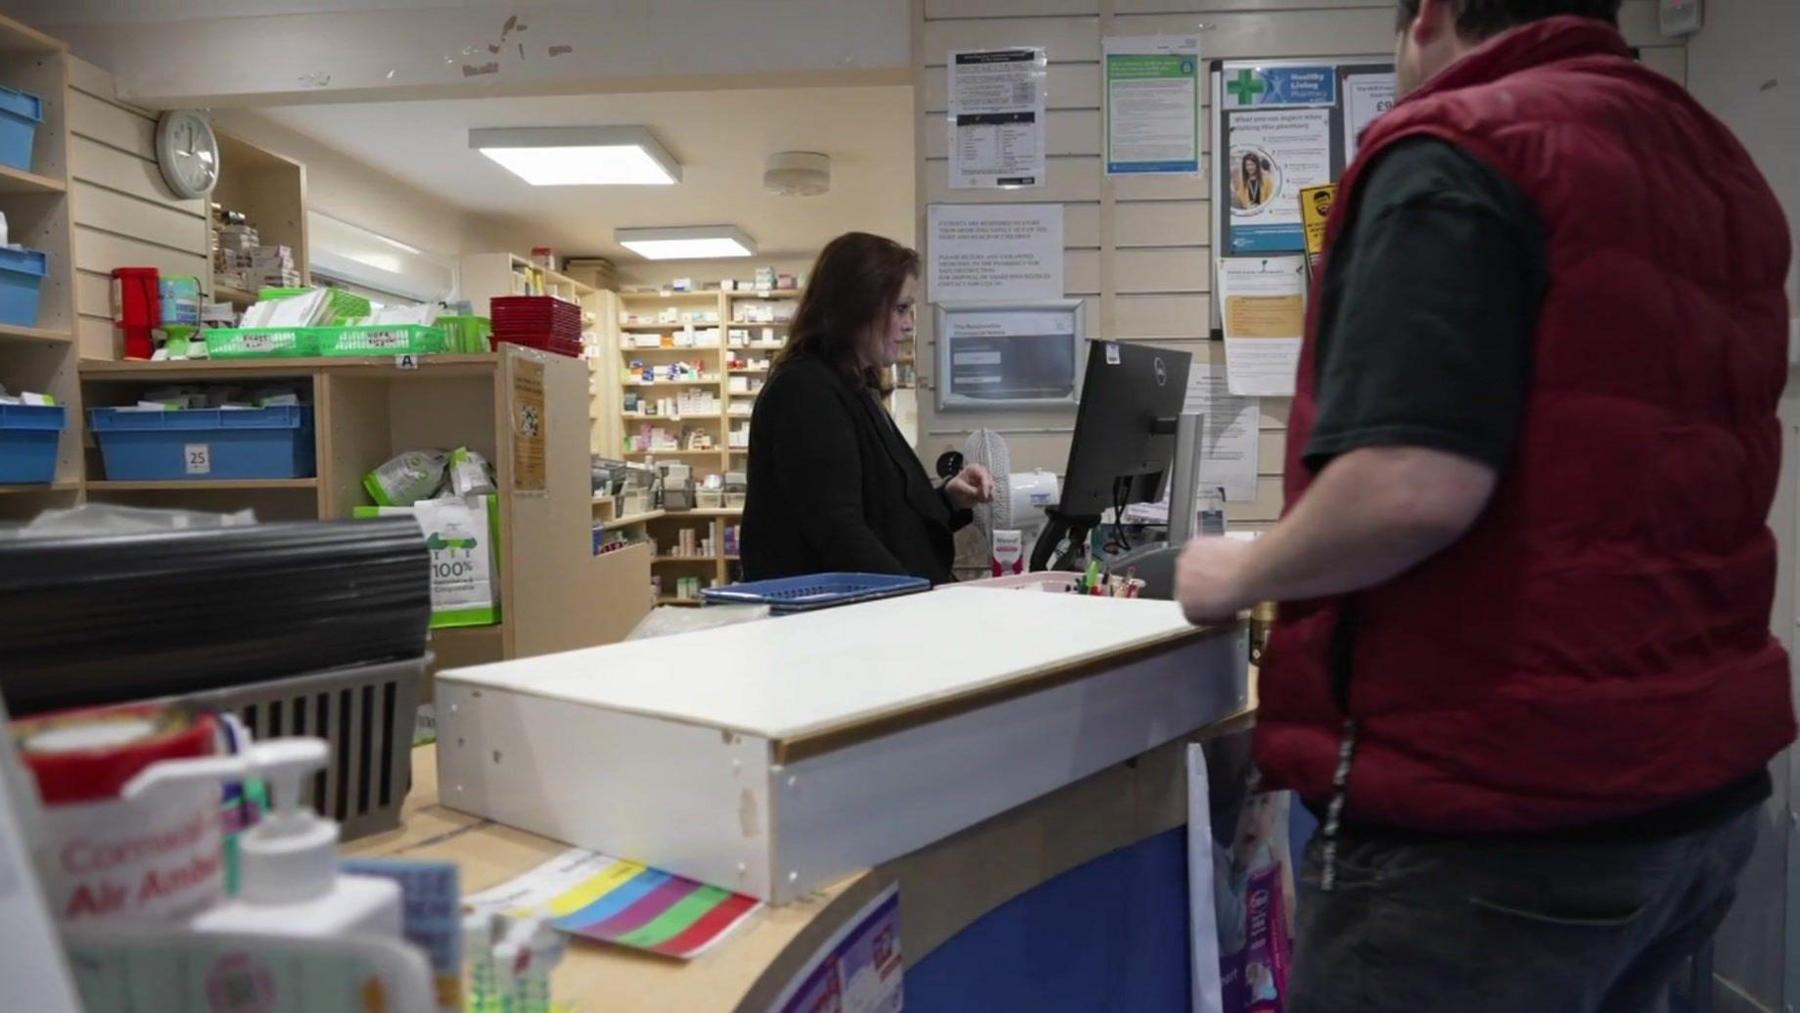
{"x": 579, "y": 156}
{"x": 699, "y": 242}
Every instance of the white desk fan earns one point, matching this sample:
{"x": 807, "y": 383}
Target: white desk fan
{"x": 1019, "y": 499}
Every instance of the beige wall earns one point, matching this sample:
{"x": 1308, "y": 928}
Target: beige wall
{"x": 350, "y": 191}
{"x": 1137, "y": 249}
{"x": 1742, "y": 65}
{"x": 124, "y": 215}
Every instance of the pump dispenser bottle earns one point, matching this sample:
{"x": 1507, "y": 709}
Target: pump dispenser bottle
{"x": 289, "y": 864}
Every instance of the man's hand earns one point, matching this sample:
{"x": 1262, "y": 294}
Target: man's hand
{"x": 1209, "y": 579}
{"x": 971, "y": 486}
{"x": 1371, "y": 515}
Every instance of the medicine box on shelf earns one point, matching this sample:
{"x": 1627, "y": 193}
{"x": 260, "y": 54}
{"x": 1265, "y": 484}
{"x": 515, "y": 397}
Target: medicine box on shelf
{"x": 21, "y": 113}
{"x": 205, "y": 443}
{"x": 21, "y": 276}
{"x": 28, "y": 435}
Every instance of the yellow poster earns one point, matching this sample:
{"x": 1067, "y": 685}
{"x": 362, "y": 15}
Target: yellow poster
{"x": 529, "y": 425}
{"x": 1315, "y": 208}
{"x": 1265, "y": 316}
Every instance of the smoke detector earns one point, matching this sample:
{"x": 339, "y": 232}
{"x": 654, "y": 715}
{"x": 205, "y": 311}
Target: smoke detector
{"x": 797, "y": 174}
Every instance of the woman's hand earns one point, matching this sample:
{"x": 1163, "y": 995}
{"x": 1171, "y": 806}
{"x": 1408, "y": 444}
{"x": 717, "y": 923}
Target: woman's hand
{"x": 971, "y": 486}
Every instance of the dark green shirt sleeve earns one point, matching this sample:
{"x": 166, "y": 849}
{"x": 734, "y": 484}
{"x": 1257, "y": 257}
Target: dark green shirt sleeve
{"x": 1431, "y": 298}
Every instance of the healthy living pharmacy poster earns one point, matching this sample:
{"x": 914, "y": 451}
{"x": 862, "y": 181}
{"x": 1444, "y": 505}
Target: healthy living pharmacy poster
{"x": 1280, "y": 127}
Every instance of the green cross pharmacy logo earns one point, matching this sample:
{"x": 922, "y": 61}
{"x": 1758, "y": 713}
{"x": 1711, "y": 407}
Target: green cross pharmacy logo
{"x": 1246, "y": 86}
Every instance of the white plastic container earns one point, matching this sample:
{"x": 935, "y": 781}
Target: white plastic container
{"x": 291, "y": 886}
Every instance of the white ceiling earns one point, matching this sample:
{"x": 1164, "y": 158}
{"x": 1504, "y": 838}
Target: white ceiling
{"x": 216, "y": 54}
{"x": 721, "y": 139}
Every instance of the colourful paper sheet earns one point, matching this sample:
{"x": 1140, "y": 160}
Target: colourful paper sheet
{"x": 596, "y": 897}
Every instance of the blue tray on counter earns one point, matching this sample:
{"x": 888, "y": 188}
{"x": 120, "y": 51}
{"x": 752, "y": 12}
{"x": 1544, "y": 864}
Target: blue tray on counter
{"x": 814, "y": 591}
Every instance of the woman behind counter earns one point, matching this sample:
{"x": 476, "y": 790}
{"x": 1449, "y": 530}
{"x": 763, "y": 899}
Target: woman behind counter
{"x": 833, "y": 484}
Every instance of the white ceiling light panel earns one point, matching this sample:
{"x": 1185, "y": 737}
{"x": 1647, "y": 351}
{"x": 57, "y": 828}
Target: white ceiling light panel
{"x": 579, "y": 156}
{"x": 698, "y": 242}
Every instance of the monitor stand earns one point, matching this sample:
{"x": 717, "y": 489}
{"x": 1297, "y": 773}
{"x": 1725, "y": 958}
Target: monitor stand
{"x": 1043, "y": 551}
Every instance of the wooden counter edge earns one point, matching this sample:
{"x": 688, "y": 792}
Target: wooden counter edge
{"x": 831, "y": 739}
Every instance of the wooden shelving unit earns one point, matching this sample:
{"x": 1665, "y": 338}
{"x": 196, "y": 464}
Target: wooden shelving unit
{"x": 724, "y": 309}
{"x": 19, "y": 181}
{"x": 36, "y": 204}
{"x": 486, "y": 275}
{"x": 235, "y": 296}
{"x": 270, "y": 190}
{"x": 715, "y": 359}
{"x": 555, "y": 593}
{"x": 17, "y": 332}
{"x": 203, "y": 485}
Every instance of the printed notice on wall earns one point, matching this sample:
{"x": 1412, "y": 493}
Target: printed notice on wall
{"x": 997, "y": 118}
{"x": 995, "y": 252}
{"x": 1153, "y": 104}
{"x": 1366, "y": 96}
{"x": 1264, "y": 316}
{"x": 1274, "y": 154}
{"x": 1228, "y": 433}
{"x": 529, "y": 426}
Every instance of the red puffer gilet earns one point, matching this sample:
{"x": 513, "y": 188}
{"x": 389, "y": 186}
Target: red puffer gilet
{"x": 1598, "y": 644}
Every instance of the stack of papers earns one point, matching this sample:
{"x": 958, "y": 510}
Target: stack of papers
{"x": 310, "y": 310}
{"x": 273, "y": 266}
{"x": 422, "y": 314}
{"x": 26, "y": 397}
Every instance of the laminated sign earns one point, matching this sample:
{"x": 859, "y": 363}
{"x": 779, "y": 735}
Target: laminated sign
{"x": 997, "y": 117}
{"x": 528, "y": 426}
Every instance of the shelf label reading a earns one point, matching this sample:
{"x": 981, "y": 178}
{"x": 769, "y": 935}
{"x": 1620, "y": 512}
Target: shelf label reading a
{"x": 406, "y": 362}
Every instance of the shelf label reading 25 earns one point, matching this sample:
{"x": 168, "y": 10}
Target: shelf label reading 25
{"x": 199, "y": 458}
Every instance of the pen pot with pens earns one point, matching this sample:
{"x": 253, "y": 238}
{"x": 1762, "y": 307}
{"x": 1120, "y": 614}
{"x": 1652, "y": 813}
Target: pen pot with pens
{"x": 1100, "y": 582}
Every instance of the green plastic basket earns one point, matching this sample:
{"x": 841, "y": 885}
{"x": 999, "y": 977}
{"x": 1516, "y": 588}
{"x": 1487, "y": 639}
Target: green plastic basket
{"x": 381, "y": 339}
{"x": 468, "y": 335}
{"x": 344, "y": 305}
{"x": 261, "y": 342}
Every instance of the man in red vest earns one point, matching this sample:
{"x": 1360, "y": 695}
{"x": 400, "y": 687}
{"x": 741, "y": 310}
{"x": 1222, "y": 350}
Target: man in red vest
{"x": 1523, "y": 669}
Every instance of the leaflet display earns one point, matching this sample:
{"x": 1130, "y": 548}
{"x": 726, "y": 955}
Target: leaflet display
{"x": 1281, "y": 126}
{"x": 1281, "y": 130}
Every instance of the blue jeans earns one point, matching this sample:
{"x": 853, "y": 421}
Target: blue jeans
{"x": 1502, "y": 927}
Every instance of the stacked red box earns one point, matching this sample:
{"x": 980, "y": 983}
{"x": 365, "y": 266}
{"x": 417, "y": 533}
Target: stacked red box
{"x": 538, "y": 321}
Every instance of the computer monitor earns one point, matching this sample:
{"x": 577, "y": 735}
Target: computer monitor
{"x": 1124, "y": 440}
{"x": 1124, "y": 443}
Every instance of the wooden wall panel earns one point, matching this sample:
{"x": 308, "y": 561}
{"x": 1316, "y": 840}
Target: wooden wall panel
{"x": 124, "y": 215}
{"x": 1138, "y": 247}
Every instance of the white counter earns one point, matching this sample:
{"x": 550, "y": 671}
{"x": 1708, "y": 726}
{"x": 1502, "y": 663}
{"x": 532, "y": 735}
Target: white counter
{"x": 772, "y": 757}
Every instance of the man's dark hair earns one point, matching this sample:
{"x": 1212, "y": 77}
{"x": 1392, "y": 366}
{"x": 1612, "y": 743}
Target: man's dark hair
{"x": 1479, "y": 19}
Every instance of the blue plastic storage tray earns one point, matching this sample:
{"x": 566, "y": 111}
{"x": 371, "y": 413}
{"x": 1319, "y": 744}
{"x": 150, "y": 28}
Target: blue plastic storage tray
{"x": 20, "y": 114}
{"x": 815, "y": 591}
{"x": 205, "y": 443}
{"x": 28, "y": 435}
{"x": 21, "y": 275}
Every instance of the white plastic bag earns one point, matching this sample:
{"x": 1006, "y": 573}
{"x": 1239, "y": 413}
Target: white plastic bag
{"x": 407, "y": 478}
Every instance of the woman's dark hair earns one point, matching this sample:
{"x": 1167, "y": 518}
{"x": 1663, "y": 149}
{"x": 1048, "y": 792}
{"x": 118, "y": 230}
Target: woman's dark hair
{"x": 1480, "y": 19}
{"x": 854, "y": 285}
{"x": 1251, "y": 158}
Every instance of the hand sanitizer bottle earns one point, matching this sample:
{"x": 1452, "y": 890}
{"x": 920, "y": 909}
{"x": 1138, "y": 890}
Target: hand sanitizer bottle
{"x": 289, "y": 864}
